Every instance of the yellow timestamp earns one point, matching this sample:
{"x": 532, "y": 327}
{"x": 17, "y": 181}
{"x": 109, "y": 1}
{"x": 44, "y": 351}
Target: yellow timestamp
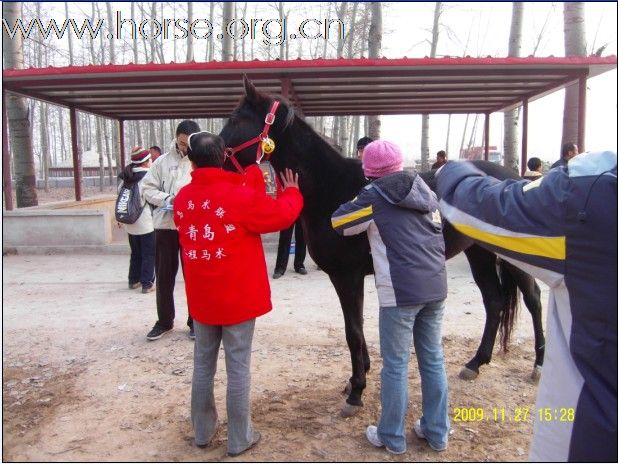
{"x": 495, "y": 414}
{"x": 518, "y": 414}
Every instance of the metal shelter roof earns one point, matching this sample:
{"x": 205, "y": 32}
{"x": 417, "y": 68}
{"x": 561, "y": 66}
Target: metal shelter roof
{"x": 317, "y": 87}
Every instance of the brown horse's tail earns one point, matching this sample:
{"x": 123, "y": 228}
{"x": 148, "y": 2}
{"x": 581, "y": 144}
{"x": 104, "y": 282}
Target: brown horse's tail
{"x": 511, "y": 295}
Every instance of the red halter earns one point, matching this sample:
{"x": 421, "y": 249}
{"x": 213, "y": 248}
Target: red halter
{"x": 268, "y": 121}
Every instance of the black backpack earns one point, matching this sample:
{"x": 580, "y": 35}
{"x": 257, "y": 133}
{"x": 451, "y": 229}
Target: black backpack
{"x": 129, "y": 205}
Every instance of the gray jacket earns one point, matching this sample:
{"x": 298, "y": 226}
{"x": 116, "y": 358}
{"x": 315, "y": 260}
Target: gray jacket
{"x": 400, "y": 214}
{"x": 167, "y": 175}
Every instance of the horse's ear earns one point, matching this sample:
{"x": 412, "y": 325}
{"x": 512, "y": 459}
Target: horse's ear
{"x": 250, "y": 90}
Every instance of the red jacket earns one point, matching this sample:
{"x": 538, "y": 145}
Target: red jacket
{"x": 219, "y": 222}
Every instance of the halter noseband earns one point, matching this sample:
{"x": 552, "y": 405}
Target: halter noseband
{"x": 259, "y": 139}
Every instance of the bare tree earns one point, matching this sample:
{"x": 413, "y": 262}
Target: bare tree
{"x": 134, "y": 42}
{"x": 574, "y": 45}
{"x": 69, "y": 36}
{"x": 18, "y": 117}
{"x": 511, "y": 118}
{"x": 435, "y": 35}
{"x": 190, "y": 56}
{"x": 227, "y": 53}
{"x": 40, "y": 50}
{"x": 375, "y": 47}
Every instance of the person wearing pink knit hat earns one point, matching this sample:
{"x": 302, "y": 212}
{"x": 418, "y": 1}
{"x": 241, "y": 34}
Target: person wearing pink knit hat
{"x": 381, "y": 158}
{"x": 400, "y": 215}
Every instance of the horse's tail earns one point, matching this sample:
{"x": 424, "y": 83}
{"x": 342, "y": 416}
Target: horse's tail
{"x": 508, "y": 286}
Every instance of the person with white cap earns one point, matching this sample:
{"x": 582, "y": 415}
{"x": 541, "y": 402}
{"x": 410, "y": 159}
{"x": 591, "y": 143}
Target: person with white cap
{"x": 141, "y": 232}
{"x": 400, "y": 215}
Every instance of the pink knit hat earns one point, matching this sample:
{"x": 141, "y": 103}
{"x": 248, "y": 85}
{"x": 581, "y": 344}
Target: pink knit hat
{"x": 382, "y": 158}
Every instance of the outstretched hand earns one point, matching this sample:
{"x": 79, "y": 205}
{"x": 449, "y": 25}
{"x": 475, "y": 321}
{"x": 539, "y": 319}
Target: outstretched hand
{"x": 289, "y": 179}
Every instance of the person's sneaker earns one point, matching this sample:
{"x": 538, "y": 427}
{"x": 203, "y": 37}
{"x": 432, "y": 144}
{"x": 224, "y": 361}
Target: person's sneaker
{"x": 156, "y": 333}
{"x": 148, "y": 289}
{"x": 257, "y": 436}
{"x": 301, "y": 270}
{"x": 418, "y": 430}
{"x": 134, "y": 286}
{"x": 419, "y": 433}
{"x": 374, "y": 439}
{"x": 191, "y": 333}
{"x": 278, "y": 274}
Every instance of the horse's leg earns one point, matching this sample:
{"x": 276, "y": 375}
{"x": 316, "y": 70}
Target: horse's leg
{"x": 532, "y": 298}
{"x": 349, "y": 287}
{"x": 483, "y": 267}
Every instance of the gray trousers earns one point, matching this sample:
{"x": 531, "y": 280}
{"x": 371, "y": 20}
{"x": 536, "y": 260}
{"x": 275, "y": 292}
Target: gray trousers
{"x": 237, "y": 340}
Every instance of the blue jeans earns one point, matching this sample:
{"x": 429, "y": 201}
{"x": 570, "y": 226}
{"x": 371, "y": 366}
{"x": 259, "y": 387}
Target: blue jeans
{"x": 398, "y": 325}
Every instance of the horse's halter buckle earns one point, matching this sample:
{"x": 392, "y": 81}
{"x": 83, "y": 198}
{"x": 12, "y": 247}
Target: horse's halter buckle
{"x": 261, "y": 139}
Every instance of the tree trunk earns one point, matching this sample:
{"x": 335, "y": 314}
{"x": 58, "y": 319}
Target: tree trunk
{"x": 341, "y": 13}
{"x": 100, "y": 135}
{"x": 375, "y": 47}
{"x": 435, "y": 35}
{"x": 351, "y": 35}
{"x": 110, "y": 21}
{"x": 211, "y": 41}
{"x": 63, "y": 147}
{"x": 69, "y": 36}
{"x": 138, "y": 133}
{"x": 19, "y": 118}
{"x": 243, "y": 56}
{"x": 134, "y": 42}
{"x": 574, "y": 45}
{"x": 345, "y": 135}
{"x": 463, "y": 137}
{"x": 511, "y": 118}
{"x": 190, "y": 56}
{"x": 108, "y": 150}
{"x": 44, "y": 144}
{"x": 227, "y": 52}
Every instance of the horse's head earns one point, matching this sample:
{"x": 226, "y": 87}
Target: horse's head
{"x": 250, "y": 120}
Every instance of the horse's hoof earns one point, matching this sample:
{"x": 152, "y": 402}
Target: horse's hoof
{"x": 468, "y": 374}
{"x": 536, "y": 374}
{"x": 350, "y": 410}
{"x": 348, "y": 388}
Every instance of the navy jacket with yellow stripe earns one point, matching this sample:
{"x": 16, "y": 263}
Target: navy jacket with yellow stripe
{"x": 561, "y": 229}
{"x": 401, "y": 217}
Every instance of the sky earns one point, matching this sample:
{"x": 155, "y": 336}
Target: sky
{"x": 410, "y": 23}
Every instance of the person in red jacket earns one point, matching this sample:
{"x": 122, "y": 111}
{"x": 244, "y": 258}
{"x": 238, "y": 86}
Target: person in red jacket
{"x": 219, "y": 221}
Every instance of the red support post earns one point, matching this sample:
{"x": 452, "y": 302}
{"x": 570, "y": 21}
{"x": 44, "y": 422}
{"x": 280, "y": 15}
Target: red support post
{"x": 121, "y": 141}
{"x": 486, "y": 155}
{"x": 77, "y": 171}
{"x": 581, "y": 115}
{"x": 6, "y": 159}
{"x": 524, "y": 139}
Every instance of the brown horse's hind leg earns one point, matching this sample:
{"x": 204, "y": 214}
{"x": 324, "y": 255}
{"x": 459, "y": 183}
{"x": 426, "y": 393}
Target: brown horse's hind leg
{"x": 350, "y": 289}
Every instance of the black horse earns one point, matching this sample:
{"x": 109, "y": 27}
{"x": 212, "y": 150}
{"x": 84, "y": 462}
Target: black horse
{"x": 327, "y": 180}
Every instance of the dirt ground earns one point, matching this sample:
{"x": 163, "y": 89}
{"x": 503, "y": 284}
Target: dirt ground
{"x": 82, "y": 383}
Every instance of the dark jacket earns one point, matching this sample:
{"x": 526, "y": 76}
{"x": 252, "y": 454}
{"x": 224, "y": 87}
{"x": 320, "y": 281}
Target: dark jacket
{"x": 401, "y": 217}
{"x": 561, "y": 229}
